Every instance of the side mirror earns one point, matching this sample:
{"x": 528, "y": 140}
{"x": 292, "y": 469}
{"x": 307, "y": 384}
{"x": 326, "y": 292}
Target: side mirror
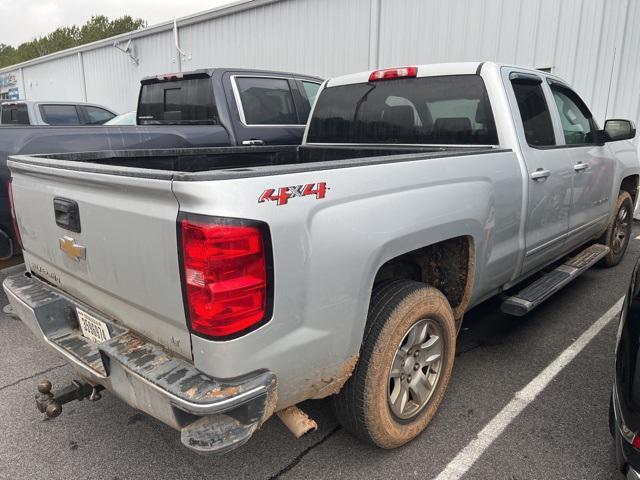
{"x": 617, "y": 129}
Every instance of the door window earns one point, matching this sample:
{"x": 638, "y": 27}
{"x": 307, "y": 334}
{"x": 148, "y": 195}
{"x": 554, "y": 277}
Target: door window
{"x": 534, "y": 112}
{"x": 266, "y": 101}
{"x": 311, "y": 90}
{"x": 577, "y": 121}
{"x": 60, "y": 114}
{"x": 97, "y": 115}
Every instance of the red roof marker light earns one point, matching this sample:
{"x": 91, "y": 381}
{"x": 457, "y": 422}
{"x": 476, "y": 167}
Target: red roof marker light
{"x": 390, "y": 73}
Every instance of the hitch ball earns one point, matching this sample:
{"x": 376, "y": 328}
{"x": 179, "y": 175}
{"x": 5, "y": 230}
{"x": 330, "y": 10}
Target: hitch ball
{"x": 44, "y": 387}
{"x": 53, "y": 410}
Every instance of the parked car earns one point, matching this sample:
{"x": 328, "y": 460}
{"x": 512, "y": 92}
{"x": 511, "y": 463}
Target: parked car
{"x": 29, "y": 112}
{"x": 128, "y": 118}
{"x": 624, "y": 410}
{"x": 212, "y": 108}
{"x": 211, "y": 288}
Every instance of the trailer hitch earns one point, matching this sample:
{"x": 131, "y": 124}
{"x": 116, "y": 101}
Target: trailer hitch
{"x": 51, "y": 403}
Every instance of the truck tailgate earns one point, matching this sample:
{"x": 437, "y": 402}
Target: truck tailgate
{"x": 123, "y": 261}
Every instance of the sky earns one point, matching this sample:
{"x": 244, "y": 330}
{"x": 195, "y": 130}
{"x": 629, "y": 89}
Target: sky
{"x": 27, "y": 19}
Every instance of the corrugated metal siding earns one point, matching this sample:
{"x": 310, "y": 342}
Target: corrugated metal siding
{"x": 625, "y": 99}
{"x": 113, "y": 78}
{"x": 575, "y": 37}
{"x": 59, "y": 79}
{"x": 593, "y": 44}
{"x": 322, "y": 37}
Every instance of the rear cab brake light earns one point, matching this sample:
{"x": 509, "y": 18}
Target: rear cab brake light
{"x": 227, "y": 275}
{"x": 391, "y": 73}
{"x": 170, "y": 76}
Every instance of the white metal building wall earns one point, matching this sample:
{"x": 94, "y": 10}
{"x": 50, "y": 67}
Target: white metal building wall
{"x": 113, "y": 78}
{"x": 322, "y": 37}
{"x": 593, "y": 44}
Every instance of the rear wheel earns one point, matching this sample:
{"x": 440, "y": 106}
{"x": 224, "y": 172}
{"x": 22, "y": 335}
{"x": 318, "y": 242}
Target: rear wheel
{"x": 404, "y": 367}
{"x": 619, "y": 230}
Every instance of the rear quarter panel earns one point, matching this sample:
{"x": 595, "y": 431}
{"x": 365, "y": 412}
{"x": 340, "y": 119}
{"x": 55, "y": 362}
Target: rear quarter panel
{"x": 327, "y": 252}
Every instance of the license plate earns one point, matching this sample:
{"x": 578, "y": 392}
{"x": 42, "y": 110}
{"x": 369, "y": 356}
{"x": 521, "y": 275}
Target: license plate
{"x": 92, "y": 328}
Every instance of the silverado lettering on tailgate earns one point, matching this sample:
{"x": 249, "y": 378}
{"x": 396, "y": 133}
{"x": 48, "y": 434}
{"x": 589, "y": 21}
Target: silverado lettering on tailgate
{"x": 282, "y": 195}
{"x": 45, "y": 273}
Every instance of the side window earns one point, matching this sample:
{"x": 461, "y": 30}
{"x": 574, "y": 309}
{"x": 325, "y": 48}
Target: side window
{"x": 534, "y": 111}
{"x": 15, "y": 114}
{"x": 577, "y": 123}
{"x": 97, "y": 115}
{"x": 311, "y": 90}
{"x": 60, "y": 114}
{"x": 266, "y": 101}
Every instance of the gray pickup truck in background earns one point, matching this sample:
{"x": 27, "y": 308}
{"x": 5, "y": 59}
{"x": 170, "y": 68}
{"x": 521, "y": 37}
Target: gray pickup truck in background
{"x": 36, "y": 112}
{"x": 211, "y": 288}
{"x": 203, "y": 108}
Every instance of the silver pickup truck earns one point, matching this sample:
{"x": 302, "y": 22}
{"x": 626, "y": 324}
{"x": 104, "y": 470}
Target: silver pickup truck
{"x": 213, "y": 287}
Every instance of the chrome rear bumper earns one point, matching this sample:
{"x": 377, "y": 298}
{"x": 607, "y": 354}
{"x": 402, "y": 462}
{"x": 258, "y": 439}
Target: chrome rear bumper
{"x": 213, "y": 415}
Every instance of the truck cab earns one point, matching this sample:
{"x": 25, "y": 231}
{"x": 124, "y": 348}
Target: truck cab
{"x": 253, "y": 107}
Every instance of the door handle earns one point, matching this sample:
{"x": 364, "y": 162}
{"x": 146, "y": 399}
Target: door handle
{"x": 540, "y": 174}
{"x": 254, "y": 142}
{"x": 578, "y": 167}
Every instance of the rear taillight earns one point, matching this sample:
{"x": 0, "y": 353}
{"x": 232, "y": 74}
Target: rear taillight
{"x": 390, "y": 73}
{"x": 226, "y": 273}
{"x": 16, "y": 230}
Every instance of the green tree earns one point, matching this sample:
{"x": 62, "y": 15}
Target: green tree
{"x": 97, "y": 28}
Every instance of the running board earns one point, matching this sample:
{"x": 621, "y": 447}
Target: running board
{"x": 537, "y": 292}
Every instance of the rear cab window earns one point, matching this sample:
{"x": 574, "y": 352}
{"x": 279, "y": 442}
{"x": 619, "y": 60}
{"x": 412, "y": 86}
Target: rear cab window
{"x": 14, "y": 114}
{"x": 265, "y": 101}
{"x": 445, "y": 110}
{"x": 188, "y": 101}
{"x": 60, "y": 114}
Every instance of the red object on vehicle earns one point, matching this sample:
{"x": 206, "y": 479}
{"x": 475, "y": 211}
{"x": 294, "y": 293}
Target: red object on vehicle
{"x": 16, "y": 230}
{"x": 636, "y": 442}
{"x": 226, "y": 276}
{"x": 390, "y": 73}
{"x": 170, "y": 76}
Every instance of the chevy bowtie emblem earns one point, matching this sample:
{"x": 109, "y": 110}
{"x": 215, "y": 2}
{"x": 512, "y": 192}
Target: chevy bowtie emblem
{"x": 74, "y": 251}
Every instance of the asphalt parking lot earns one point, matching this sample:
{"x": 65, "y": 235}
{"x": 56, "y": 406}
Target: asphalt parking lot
{"x": 560, "y": 434}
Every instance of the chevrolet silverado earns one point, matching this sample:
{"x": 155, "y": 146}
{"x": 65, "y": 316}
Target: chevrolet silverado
{"x": 212, "y": 287}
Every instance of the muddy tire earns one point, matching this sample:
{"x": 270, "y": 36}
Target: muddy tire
{"x": 618, "y": 231}
{"x": 404, "y": 368}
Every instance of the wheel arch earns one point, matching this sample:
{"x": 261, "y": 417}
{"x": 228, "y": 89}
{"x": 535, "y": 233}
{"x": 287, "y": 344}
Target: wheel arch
{"x": 630, "y": 184}
{"x": 448, "y": 265}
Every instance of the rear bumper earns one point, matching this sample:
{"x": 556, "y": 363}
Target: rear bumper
{"x": 214, "y": 416}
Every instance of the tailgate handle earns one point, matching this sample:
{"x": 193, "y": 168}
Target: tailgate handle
{"x": 67, "y": 214}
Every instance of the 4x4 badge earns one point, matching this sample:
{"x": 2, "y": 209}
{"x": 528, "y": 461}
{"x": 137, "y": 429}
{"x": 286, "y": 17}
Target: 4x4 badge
{"x": 282, "y": 195}
{"x": 74, "y": 251}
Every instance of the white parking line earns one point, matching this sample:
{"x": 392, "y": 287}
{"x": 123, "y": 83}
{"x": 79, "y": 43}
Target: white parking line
{"x": 474, "y": 449}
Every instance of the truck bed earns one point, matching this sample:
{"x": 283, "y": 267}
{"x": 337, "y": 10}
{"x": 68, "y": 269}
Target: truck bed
{"x": 230, "y": 162}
